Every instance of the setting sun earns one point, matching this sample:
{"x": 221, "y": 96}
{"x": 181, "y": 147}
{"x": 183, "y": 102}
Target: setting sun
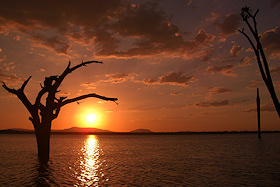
{"x": 91, "y": 118}
{"x": 89, "y": 115}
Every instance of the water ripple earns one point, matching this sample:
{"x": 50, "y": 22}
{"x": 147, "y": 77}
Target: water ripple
{"x": 199, "y": 160}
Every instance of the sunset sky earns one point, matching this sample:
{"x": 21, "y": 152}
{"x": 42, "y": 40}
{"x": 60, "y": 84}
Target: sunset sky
{"x": 174, "y": 65}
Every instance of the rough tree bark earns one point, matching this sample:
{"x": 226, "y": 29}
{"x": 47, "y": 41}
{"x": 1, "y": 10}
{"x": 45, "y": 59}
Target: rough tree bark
{"x": 246, "y": 14}
{"x": 42, "y": 115}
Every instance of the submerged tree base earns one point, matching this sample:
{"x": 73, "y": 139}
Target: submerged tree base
{"x": 43, "y": 141}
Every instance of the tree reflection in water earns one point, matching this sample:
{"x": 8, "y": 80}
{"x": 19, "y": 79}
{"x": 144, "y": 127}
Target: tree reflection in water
{"x": 89, "y": 172}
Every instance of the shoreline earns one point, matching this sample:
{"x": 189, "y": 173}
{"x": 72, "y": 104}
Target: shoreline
{"x": 10, "y": 131}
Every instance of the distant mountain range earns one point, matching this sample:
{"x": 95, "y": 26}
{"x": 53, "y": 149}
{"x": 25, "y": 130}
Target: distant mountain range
{"x": 141, "y": 131}
{"x": 83, "y": 130}
{"x": 72, "y": 130}
{"x": 79, "y": 130}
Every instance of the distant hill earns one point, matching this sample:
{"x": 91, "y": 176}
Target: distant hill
{"x": 19, "y": 129}
{"x": 79, "y": 130}
{"x": 83, "y": 130}
{"x": 72, "y": 130}
{"x": 141, "y": 131}
{"x": 16, "y": 131}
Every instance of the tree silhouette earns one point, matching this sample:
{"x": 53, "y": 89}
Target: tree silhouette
{"x": 246, "y": 14}
{"x": 42, "y": 115}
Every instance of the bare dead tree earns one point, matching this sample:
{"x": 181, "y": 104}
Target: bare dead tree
{"x": 247, "y": 15}
{"x": 42, "y": 115}
{"x": 258, "y": 101}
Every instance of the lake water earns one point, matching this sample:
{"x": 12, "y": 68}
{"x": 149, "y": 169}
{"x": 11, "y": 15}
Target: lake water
{"x": 142, "y": 160}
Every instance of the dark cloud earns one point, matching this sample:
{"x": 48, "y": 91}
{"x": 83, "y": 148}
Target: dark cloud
{"x": 173, "y": 78}
{"x": 89, "y": 85}
{"x": 64, "y": 19}
{"x": 203, "y": 37}
{"x": 205, "y": 104}
{"x": 55, "y": 43}
{"x": 235, "y": 50}
{"x": 9, "y": 66}
{"x": 150, "y": 28}
{"x": 271, "y": 41}
{"x": 218, "y": 90}
{"x": 4, "y": 77}
{"x": 175, "y": 94}
{"x": 246, "y": 61}
{"x": 228, "y": 24}
{"x": 205, "y": 56}
{"x": 265, "y": 107}
{"x": 57, "y": 25}
{"x": 150, "y": 81}
{"x": 176, "y": 78}
{"x": 225, "y": 70}
{"x": 119, "y": 77}
{"x": 111, "y": 78}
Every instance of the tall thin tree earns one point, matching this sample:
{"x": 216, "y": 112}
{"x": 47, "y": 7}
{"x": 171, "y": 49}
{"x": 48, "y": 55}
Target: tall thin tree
{"x": 247, "y": 15}
{"x": 258, "y": 101}
{"x": 42, "y": 114}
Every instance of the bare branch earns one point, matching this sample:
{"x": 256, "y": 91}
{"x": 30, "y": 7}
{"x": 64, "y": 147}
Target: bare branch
{"x": 83, "y": 64}
{"x": 13, "y": 91}
{"x": 256, "y": 12}
{"x": 20, "y": 94}
{"x": 257, "y": 56}
{"x": 256, "y": 35}
{"x": 248, "y": 38}
{"x": 260, "y": 48}
{"x": 87, "y": 96}
{"x": 25, "y": 83}
{"x": 251, "y": 28}
{"x": 60, "y": 99}
{"x": 69, "y": 70}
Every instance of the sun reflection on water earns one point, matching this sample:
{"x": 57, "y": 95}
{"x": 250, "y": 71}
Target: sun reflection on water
{"x": 90, "y": 172}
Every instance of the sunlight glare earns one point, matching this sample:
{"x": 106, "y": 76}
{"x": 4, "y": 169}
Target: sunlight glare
{"x": 91, "y": 118}
{"x": 89, "y": 172}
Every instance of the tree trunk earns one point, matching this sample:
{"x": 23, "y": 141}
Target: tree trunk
{"x": 275, "y": 100}
{"x": 259, "y": 114}
{"x": 42, "y": 132}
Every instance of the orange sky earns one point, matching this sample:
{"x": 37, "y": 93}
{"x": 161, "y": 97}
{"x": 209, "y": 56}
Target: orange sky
{"x": 173, "y": 65}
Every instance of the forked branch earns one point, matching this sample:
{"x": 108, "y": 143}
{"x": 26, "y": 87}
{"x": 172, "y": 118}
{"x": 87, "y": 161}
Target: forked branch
{"x": 21, "y": 95}
{"x": 69, "y": 70}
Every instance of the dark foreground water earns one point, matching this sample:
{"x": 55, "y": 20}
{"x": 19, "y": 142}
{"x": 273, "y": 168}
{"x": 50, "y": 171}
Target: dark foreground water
{"x": 142, "y": 160}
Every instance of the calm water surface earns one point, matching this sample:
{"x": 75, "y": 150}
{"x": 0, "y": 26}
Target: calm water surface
{"x": 142, "y": 160}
